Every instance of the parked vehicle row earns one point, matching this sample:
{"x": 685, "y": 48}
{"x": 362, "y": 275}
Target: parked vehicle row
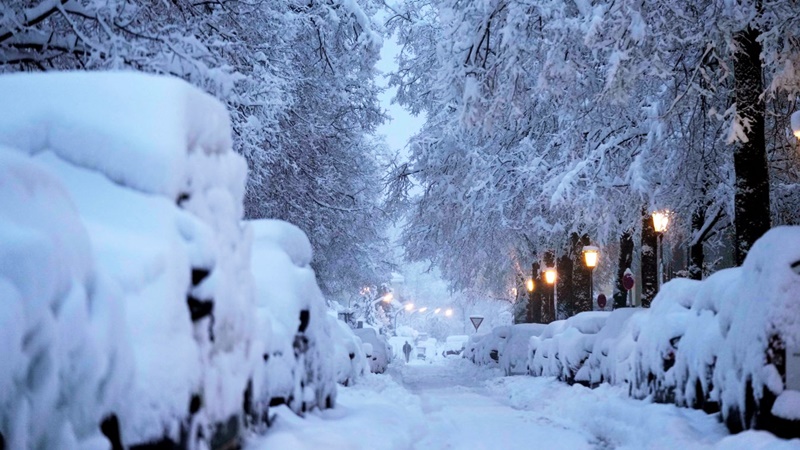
{"x": 727, "y": 344}
{"x": 137, "y": 310}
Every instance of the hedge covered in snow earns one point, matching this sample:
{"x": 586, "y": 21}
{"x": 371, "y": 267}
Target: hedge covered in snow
{"x": 721, "y": 344}
{"x": 129, "y": 312}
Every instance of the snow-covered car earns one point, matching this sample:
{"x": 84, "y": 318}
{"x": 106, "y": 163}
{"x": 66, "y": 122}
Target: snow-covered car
{"x": 514, "y": 357}
{"x": 487, "y": 349}
{"x": 656, "y": 336}
{"x": 297, "y": 368}
{"x": 379, "y": 351}
{"x": 575, "y": 343}
{"x": 608, "y": 349}
{"x": 454, "y": 345}
{"x": 541, "y": 360}
{"x": 349, "y": 359}
{"x": 156, "y": 290}
{"x": 471, "y": 347}
{"x": 756, "y": 367}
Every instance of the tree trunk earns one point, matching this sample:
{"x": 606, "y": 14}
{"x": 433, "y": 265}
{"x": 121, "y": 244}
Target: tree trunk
{"x": 625, "y": 262}
{"x": 752, "y": 213}
{"x": 536, "y": 296}
{"x": 581, "y": 276}
{"x": 696, "y": 255}
{"x": 649, "y": 268}
{"x": 548, "y": 311}
{"x": 566, "y": 291}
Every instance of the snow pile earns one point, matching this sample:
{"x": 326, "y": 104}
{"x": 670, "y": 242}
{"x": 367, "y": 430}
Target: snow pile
{"x": 139, "y": 130}
{"x": 720, "y": 344}
{"x": 147, "y": 162}
{"x": 58, "y": 318}
{"x": 298, "y": 357}
{"x": 759, "y": 317}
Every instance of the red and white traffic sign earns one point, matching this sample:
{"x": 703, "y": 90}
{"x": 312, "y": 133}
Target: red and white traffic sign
{"x": 628, "y": 282}
{"x": 601, "y": 301}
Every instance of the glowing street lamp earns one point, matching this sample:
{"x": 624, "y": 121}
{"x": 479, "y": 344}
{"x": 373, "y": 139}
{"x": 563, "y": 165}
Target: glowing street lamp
{"x": 448, "y": 312}
{"x": 660, "y": 223}
{"x": 533, "y": 317}
{"x": 408, "y": 306}
{"x": 550, "y": 278}
{"x": 437, "y": 310}
{"x": 796, "y": 124}
{"x": 423, "y": 309}
{"x": 550, "y": 275}
{"x": 591, "y": 255}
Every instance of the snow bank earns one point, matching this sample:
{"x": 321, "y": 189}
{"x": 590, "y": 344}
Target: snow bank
{"x": 147, "y": 162}
{"x": 58, "y": 317}
{"x": 137, "y": 129}
{"x": 718, "y": 344}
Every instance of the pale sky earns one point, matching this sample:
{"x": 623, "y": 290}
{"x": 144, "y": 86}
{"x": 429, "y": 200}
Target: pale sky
{"x": 401, "y": 124}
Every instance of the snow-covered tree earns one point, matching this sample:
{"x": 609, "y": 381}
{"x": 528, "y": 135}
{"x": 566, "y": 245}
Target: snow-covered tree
{"x": 551, "y": 118}
{"x": 298, "y": 78}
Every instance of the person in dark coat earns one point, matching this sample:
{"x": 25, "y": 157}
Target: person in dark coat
{"x": 407, "y": 350}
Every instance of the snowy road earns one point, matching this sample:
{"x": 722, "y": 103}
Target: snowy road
{"x": 452, "y": 404}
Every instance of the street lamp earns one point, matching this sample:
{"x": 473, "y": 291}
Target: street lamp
{"x": 591, "y": 255}
{"x": 796, "y": 124}
{"x": 448, "y": 312}
{"x": 408, "y": 307}
{"x": 531, "y": 308}
{"x": 550, "y": 275}
{"x": 437, "y": 310}
{"x": 660, "y": 222}
{"x": 550, "y": 278}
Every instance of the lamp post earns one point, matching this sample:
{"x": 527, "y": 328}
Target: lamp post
{"x": 408, "y": 307}
{"x": 660, "y": 222}
{"x": 550, "y": 278}
{"x": 530, "y": 286}
{"x": 591, "y": 254}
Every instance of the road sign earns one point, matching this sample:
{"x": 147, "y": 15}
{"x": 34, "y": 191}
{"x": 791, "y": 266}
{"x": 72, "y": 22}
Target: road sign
{"x": 476, "y": 321}
{"x": 601, "y": 301}
{"x": 628, "y": 282}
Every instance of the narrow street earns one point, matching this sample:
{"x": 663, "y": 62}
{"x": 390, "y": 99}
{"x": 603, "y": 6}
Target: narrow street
{"x": 452, "y": 404}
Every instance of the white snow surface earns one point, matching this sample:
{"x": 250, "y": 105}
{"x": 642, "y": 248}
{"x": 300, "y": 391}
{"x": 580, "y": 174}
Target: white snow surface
{"x": 137, "y": 129}
{"x": 58, "y": 317}
{"x": 131, "y": 185}
{"x": 453, "y": 404}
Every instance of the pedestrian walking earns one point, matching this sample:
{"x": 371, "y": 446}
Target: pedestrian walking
{"x": 407, "y": 350}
